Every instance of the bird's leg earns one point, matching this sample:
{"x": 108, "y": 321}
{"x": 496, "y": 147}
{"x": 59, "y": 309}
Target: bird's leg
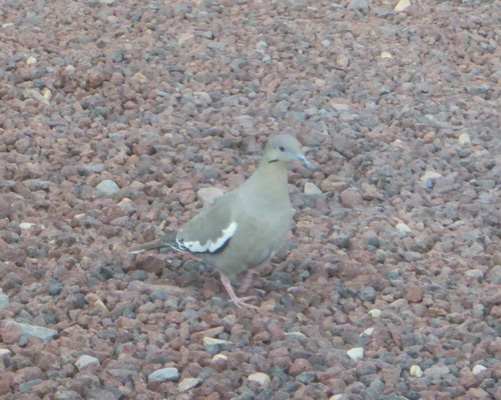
{"x": 247, "y": 281}
{"x": 238, "y": 301}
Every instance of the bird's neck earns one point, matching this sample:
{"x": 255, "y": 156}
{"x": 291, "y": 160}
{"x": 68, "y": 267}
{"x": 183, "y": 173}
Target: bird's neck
{"x": 270, "y": 178}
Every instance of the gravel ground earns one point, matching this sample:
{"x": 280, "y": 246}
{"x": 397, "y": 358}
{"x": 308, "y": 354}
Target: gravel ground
{"x": 114, "y": 114}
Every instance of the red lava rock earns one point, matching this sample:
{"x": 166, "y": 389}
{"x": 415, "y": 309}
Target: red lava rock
{"x": 11, "y": 334}
{"x": 299, "y": 366}
{"x": 413, "y": 294}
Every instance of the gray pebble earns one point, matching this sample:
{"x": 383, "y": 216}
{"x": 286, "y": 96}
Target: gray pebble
{"x": 358, "y": 5}
{"x": 367, "y": 293}
{"x": 26, "y": 386}
{"x": 4, "y": 301}
{"x": 306, "y": 377}
{"x": 164, "y": 374}
{"x": 55, "y": 288}
{"x": 34, "y": 331}
{"x": 107, "y": 188}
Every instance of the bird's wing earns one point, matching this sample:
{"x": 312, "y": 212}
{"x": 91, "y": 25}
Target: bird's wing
{"x": 211, "y": 230}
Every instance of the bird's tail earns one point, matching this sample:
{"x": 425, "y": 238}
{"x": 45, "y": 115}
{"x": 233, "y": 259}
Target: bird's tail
{"x": 167, "y": 241}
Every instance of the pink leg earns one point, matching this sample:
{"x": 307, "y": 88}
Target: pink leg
{"x": 248, "y": 279}
{"x": 239, "y": 302}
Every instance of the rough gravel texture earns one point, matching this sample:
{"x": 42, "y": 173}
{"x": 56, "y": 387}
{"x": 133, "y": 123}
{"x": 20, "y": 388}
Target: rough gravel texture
{"x": 113, "y": 115}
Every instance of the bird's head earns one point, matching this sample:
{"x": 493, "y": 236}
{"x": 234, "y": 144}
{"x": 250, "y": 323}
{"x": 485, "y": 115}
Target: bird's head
{"x": 284, "y": 149}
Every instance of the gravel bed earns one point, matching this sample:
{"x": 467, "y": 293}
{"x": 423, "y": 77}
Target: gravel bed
{"x": 115, "y": 114}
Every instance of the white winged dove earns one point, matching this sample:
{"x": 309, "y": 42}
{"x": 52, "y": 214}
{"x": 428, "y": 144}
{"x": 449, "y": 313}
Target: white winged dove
{"x": 245, "y": 227}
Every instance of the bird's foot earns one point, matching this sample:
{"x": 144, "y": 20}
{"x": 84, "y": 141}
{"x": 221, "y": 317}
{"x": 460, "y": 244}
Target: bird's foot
{"x": 238, "y": 301}
{"x": 241, "y": 302}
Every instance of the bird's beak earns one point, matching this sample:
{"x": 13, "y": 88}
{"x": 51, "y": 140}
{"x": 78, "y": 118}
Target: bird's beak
{"x": 303, "y": 159}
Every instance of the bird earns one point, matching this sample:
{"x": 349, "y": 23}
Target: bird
{"x": 245, "y": 227}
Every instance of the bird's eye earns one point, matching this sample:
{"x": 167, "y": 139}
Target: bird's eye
{"x": 281, "y": 148}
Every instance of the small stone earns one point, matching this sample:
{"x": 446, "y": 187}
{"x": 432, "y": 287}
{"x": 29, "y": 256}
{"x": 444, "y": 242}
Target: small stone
{"x": 262, "y": 379}
{"x": 218, "y": 357}
{"x": 296, "y": 335}
{"x": 350, "y": 198}
{"x": 67, "y": 395}
{"x": 403, "y": 228}
{"x": 164, "y": 375}
{"x": 4, "y": 301}
{"x": 55, "y": 288}
{"x": 385, "y": 55}
{"x": 436, "y": 370}
{"x": 26, "y": 225}
{"x": 402, "y": 5}
{"x": 186, "y": 39}
{"x": 107, "y": 188}
{"x": 34, "y": 331}
{"x": 325, "y": 43}
{"x": 209, "y": 195}
{"x": 86, "y": 360}
{"x": 475, "y": 273}
{"x": 343, "y": 61}
{"x": 31, "y": 60}
{"x": 340, "y": 397}
{"x": 455, "y": 318}
{"x": 100, "y": 306}
{"x": 375, "y": 313}
{"x": 358, "y": 5}
{"x": 464, "y": 140}
{"x": 212, "y": 344}
{"x": 356, "y": 353}
{"x": 307, "y": 377}
{"x": 477, "y": 369}
{"x": 299, "y": 366}
{"x": 188, "y": 383}
{"x": 430, "y": 175}
{"x": 416, "y": 371}
{"x": 367, "y": 332}
{"x": 261, "y": 46}
{"x": 4, "y": 352}
{"x": 311, "y": 189}
{"x": 367, "y": 293}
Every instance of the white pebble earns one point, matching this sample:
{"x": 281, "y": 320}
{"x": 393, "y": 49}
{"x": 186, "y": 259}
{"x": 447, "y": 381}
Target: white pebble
{"x": 356, "y": 353}
{"x": 212, "y": 341}
{"x": 298, "y": 335}
{"x": 464, "y": 139}
{"x": 430, "y": 175}
{"x": 263, "y": 379}
{"x": 261, "y": 46}
{"x": 86, "y": 360}
{"x": 402, "y": 5}
{"x": 188, "y": 383}
{"x": 401, "y": 227}
{"x": 416, "y": 371}
{"x": 4, "y": 352}
{"x": 311, "y": 188}
{"x": 26, "y": 225}
{"x": 219, "y": 357}
{"x": 367, "y": 332}
{"x": 375, "y": 313}
{"x": 385, "y": 55}
{"x": 477, "y": 369}
{"x": 31, "y": 60}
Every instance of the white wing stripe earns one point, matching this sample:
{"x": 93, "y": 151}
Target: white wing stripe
{"x": 210, "y": 246}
